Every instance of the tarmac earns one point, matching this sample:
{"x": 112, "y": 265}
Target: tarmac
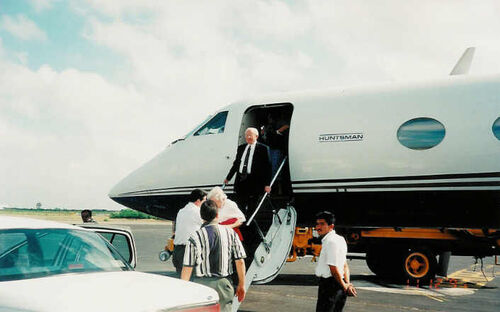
{"x": 468, "y": 286}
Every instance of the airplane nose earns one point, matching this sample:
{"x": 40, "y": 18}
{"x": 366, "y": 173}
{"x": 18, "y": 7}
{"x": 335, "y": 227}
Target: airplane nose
{"x": 116, "y": 190}
{"x": 139, "y": 180}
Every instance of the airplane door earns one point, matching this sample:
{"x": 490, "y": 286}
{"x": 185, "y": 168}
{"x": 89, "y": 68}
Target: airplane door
{"x": 273, "y": 123}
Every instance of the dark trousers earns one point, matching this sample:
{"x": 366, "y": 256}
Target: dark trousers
{"x": 178, "y": 257}
{"x": 251, "y": 239}
{"x": 331, "y": 296}
{"x": 247, "y": 202}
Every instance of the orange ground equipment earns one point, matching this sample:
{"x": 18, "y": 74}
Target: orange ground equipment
{"x": 303, "y": 244}
{"x": 167, "y": 252}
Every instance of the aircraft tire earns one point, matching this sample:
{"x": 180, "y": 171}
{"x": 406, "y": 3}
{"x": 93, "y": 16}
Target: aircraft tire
{"x": 374, "y": 261}
{"x": 382, "y": 261}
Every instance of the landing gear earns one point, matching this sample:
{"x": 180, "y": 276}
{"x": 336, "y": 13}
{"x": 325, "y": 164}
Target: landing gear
{"x": 375, "y": 262}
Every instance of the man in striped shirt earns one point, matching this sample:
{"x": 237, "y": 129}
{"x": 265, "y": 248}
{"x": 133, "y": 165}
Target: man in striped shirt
{"x": 211, "y": 251}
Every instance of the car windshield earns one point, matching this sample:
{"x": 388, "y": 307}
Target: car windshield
{"x": 31, "y": 253}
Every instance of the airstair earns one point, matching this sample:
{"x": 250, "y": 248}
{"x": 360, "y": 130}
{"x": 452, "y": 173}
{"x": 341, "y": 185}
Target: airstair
{"x": 273, "y": 251}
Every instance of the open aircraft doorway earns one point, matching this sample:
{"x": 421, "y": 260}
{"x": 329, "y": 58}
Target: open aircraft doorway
{"x": 273, "y": 121}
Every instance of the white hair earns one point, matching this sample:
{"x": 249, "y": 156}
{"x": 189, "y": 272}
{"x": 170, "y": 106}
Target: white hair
{"x": 216, "y": 194}
{"x": 253, "y": 130}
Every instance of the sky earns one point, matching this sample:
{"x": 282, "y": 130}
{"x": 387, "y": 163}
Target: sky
{"x": 90, "y": 90}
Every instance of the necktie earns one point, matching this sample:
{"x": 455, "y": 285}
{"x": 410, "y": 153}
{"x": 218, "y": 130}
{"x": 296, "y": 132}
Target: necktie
{"x": 245, "y": 162}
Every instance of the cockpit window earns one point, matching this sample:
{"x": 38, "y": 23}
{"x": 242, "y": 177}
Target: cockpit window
{"x": 198, "y": 126}
{"x": 214, "y": 126}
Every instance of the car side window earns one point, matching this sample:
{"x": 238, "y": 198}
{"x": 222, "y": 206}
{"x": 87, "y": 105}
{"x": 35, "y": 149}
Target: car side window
{"x": 215, "y": 125}
{"x": 120, "y": 242}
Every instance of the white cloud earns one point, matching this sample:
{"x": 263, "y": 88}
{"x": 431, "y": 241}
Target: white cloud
{"x": 22, "y": 27}
{"x": 68, "y": 136}
{"x": 41, "y": 5}
{"x": 61, "y": 144}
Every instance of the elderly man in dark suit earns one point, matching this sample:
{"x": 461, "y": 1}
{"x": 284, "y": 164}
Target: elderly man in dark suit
{"x": 253, "y": 177}
{"x": 253, "y": 171}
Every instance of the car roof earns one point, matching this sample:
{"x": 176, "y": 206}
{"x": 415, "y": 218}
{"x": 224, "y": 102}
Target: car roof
{"x": 7, "y": 222}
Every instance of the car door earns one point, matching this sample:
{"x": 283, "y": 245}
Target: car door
{"x": 121, "y": 238}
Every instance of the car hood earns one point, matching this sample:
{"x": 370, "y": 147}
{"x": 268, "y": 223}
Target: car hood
{"x": 103, "y": 291}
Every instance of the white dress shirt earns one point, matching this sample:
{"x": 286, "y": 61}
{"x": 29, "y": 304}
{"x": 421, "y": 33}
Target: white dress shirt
{"x": 250, "y": 158}
{"x": 187, "y": 222}
{"x": 333, "y": 252}
{"x": 230, "y": 210}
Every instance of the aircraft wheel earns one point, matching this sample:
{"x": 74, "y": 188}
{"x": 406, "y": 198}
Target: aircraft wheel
{"x": 374, "y": 262}
{"x": 382, "y": 261}
{"x": 385, "y": 261}
{"x": 419, "y": 266}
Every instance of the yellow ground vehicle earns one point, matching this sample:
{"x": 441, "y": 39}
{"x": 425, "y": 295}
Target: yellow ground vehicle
{"x": 408, "y": 254}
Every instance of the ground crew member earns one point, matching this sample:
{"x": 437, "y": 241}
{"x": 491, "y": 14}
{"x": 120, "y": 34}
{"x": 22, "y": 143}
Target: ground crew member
{"x": 332, "y": 268}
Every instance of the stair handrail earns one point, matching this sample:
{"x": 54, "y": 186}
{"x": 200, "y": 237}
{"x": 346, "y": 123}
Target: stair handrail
{"x": 265, "y": 193}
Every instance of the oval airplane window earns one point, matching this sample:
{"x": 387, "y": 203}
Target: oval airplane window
{"x": 421, "y": 133}
{"x": 496, "y": 128}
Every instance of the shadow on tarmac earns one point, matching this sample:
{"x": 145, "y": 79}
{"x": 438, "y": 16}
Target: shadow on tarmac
{"x": 311, "y": 280}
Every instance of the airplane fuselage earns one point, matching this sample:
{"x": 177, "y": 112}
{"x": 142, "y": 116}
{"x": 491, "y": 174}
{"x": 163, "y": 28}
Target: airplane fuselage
{"x": 424, "y": 154}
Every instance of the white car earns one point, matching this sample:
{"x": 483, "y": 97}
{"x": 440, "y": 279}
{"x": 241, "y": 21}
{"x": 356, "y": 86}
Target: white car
{"x": 50, "y": 266}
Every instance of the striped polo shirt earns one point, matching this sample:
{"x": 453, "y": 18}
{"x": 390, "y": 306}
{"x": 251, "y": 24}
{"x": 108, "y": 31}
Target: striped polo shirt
{"x": 212, "y": 249}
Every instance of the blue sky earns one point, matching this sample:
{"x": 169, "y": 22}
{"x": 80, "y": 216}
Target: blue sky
{"x": 91, "y": 89}
{"x": 65, "y": 45}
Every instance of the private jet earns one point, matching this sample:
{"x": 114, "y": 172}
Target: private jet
{"x": 404, "y": 154}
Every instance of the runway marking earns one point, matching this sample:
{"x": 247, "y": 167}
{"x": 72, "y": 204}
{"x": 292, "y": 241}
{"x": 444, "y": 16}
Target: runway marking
{"x": 470, "y": 278}
{"x": 265, "y": 293}
{"x": 412, "y": 291}
{"x": 460, "y": 283}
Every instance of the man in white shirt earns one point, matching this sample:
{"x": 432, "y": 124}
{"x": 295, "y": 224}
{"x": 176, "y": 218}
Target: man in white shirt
{"x": 187, "y": 222}
{"x": 332, "y": 268}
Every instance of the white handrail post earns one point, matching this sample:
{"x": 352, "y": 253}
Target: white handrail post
{"x": 265, "y": 194}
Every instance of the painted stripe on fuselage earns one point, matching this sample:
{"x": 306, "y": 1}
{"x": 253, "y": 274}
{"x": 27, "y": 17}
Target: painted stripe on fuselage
{"x": 447, "y": 182}
{"x": 173, "y": 190}
{"x": 406, "y": 178}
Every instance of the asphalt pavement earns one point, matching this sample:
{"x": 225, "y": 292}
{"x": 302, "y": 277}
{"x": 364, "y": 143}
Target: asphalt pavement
{"x": 467, "y": 288}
